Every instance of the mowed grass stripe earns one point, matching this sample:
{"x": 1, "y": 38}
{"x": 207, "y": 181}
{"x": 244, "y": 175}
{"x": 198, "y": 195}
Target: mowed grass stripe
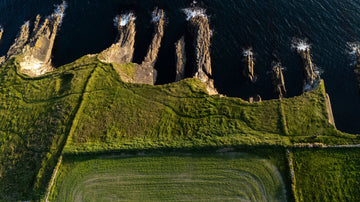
{"x": 219, "y": 177}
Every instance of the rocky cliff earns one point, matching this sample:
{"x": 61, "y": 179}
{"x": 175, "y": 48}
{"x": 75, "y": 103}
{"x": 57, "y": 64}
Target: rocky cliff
{"x": 278, "y": 80}
{"x": 123, "y": 49}
{"x": 180, "y": 59}
{"x": 2, "y": 58}
{"x": 248, "y": 70}
{"x": 145, "y": 73}
{"x": 199, "y": 27}
{"x": 311, "y": 80}
{"x": 36, "y": 45}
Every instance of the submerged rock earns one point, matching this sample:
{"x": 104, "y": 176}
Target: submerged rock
{"x": 248, "y": 71}
{"x": 145, "y": 73}
{"x": 311, "y": 79}
{"x": 278, "y": 80}
{"x": 180, "y": 59}
{"x": 123, "y": 49}
{"x": 199, "y": 26}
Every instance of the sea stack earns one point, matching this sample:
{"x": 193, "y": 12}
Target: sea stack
{"x": 146, "y": 73}
{"x": 1, "y": 32}
{"x": 37, "y": 46}
{"x": 180, "y": 59}
{"x": 278, "y": 80}
{"x": 123, "y": 49}
{"x": 199, "y": 27}
{"x": 311, "y": 79}
{"x": 248, "y": 70}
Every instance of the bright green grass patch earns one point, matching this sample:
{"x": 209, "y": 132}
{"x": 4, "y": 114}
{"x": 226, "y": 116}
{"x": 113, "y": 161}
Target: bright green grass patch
{"x": 231, "y": 176}
{"x": 327, "y": 174}
{"x": 118, "y": 116}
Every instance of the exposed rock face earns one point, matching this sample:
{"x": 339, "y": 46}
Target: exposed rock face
{"x": 311, "y": 80}
{"x": 123, "y": 49}
{"x": 145, "y": 73}
{"x": 1, "y": 32}
{"x": 20, "y": 40}
{"x": 2, "y": 58}
{"x": 37, "y": 46}
{"x": 180, "y": 59}
{"x": 255, "y": 99}
{"x": 278, "y": 80}
{"x": 357, "y": 67}
{"x": 248, "y": 71}
{"x": 199, "y": 26}
{"x": 329, "y": 110}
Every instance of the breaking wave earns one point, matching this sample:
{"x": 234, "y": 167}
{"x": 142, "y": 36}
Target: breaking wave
{"x": 59, "y": 10}
{"x": 247, "y": 52}
{"x": 300, "y": 44}
{"x": 156, "y": 15}
{"x": 194, "y": 12}
{"x": 123, "y": 19}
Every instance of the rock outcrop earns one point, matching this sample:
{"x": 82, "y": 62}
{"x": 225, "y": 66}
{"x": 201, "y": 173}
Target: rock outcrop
{"x": 278, "y": 80}
{"x": 2, "y": 58}
{"x": 311, "y": 79}
{"x": 180, "y": 59}
{"x": 357, "y": 67}
{"x": 20, "y": 41}
{"x": 248, "y": 70}
{"x": 199, "y": 27}
{"x": 145, "y": 73}
{"x": 329, "y": 110}
{"x": 1, "y": 32}
{"x": 257, "y": 98}
{"x": 123, "y": 49}
{"x": 36, "y": 45}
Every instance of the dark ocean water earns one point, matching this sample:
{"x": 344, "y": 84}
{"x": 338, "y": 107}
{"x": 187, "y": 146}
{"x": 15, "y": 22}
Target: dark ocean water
{"x": 267, "y": 26}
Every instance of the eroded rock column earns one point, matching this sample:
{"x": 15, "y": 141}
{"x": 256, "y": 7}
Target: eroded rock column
{"x": 311, "y": 80}
{"x": 180, "y": 59}
{"x": 199, "y": 27}
{"x": 278, "y": 80}
{"x": 123, "y": 49}
{"x": 248, "y": 70}
{"x": 145, "y": 73}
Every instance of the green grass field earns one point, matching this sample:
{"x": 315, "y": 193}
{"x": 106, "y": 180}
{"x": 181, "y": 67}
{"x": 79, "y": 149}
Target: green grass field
{"x": 184, "y": 177}
{"x": 85, "y": 107}
{"x": 327, "y": 174}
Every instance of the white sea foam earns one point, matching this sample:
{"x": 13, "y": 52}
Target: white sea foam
{"x": 124, "y": 19}
{"x": 247, "y": 52}
{"x": 59, "y": 10}
{"x": 156, "y": 15}
{"x": 1, "y": 28}
{"x": 353, "y": 47}
{"x": 300, "y": 45}
{"x": 194, "y": 12}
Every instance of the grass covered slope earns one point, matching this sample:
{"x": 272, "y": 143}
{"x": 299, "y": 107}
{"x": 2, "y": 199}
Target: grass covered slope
{"x": 196, "y": 177}
{"x": 115, "y": 116}
{"x": 331, "y": 174}
{"x": 36, "y": 116}
{"x": 87, "y": 105}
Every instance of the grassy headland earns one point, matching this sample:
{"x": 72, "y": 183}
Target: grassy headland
{"x": 86, "y": 105}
